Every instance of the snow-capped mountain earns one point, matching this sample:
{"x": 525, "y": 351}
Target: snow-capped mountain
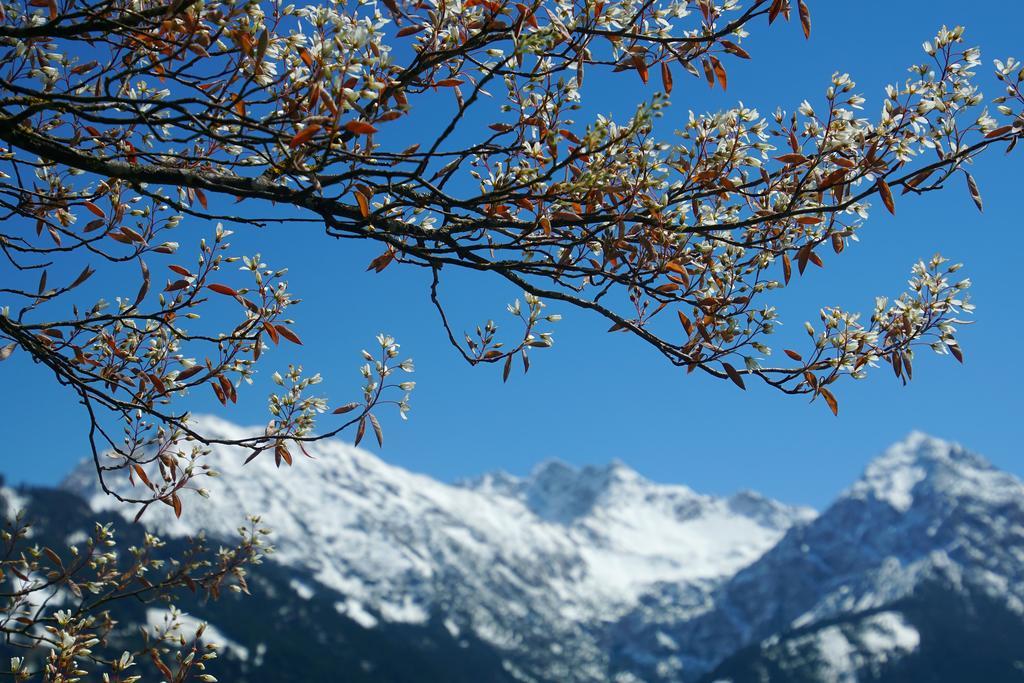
{"x": 926, "y": 515}
{"x": 597, "y": 574}
{"x": 521, "y": 563}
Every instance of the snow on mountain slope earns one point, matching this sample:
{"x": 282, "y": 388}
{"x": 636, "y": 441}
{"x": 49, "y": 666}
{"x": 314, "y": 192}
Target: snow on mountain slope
{"x": 595, "y": 574}
{"x": 11, "y": 502}
{"x": 632, "y": 534}
{"x": 845, "y": 652}
{"x": 922, "y": 467}
{"x": 926, "y": 510}
{"x": 842, "y": 650}
{"x": 514, "y": 559}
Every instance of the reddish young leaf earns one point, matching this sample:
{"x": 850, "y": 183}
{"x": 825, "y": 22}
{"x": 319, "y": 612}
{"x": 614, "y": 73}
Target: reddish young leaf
{"x": 95, "y": 209}
{"x": 141, "y": 473}
{"x": 54, "y": 557}
{"x": 408, "y": 31}
{"x": 144, "y": 287}
{"x": 794, "y": 159}
{"x": 805, "y": 18}
{"x": 189, "y": 372}
{"x": 685, "y": 322}
{"x": 709, "y": 72}
{"x": 833, "y": 405}
{"x": 734, "y": 49}
{"x": 719, "y": 70}
{"x": 288, "y": 334}
{"x": 917, "y": 180}
{"x": 272, "y": 331}
{"x": 360, "y": 127}
{"x": 131, "y": 235}
{"x": 228, "y": 388}
{"x": 304, "y": 135}
{"x": 220, "y": 393}
{"x": 348, "y": 407}
{"x": 802, "y": 257}
{"x": 360, "y": 430}
{"x": 886, "y": 194}
{"x": 222, "y": 289}
{"x": 734, "y": 375}
{"x": 82, "y": 277}
{"x": 281, "y": 452}
{"x": 377, "y": 431}
{"x": 1002, "y": 130}
{"x": 381, "y": 262}
{"x": 641, "y": 67}
{"x": 973, "y": 189}
{"x": 666, "y": 78}
{"x": 364, "y": 205}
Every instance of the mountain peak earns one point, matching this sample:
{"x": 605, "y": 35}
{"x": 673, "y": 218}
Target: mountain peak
{"x": 768, "y": 511}
{"x": 925, "y": 448}
{"x": 559, "y": 472}
{"x": 559, "y": 492}
{"x": 925, "y": 466}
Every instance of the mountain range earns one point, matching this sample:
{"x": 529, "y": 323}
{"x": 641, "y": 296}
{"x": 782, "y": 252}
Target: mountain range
{"x": 915, "y": 572}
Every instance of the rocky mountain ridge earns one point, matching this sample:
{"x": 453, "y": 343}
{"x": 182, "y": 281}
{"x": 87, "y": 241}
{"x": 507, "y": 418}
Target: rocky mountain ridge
{"x": 595, "y": 573}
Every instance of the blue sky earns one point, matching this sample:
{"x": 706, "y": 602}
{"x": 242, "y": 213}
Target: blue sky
{"x": 596, "y": 396}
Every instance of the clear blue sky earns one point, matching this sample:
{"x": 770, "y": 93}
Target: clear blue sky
{"x": 595, "y": 396}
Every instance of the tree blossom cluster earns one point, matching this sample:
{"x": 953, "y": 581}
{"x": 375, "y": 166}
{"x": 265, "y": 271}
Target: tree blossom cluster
{"x": 58, "y": 606}
{"x": 136, "y": 135}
